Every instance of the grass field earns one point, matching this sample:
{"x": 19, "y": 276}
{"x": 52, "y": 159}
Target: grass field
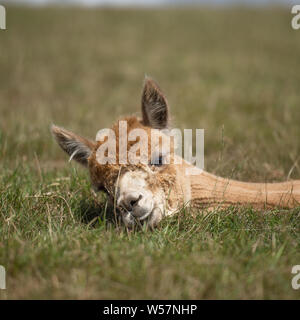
{"x": 233, "y": 72}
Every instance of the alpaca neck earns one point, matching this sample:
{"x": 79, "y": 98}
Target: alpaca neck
{"x": 209, "y": 191}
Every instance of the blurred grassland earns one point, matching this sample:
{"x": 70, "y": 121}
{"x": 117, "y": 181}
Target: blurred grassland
{"x": 233, "y": 72}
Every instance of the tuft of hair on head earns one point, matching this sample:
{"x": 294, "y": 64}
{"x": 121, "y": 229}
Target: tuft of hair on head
{"x": 77, "y": 147}
{"x": 155, "y": 109}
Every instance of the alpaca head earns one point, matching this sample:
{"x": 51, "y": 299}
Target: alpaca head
{"x": 148, "y": 183}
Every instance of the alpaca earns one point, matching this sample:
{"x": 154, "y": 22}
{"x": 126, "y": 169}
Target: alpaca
{"x": 147, "y": 192}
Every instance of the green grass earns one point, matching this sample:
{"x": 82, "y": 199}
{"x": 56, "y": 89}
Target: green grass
{"x": 233, "y": 72}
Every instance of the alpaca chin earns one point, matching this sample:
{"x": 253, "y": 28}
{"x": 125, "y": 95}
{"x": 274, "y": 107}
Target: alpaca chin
{"x": 149, "y": 206}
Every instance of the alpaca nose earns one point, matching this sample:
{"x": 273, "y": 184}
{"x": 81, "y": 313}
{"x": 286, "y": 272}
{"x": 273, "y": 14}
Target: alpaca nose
{"x": 130, "y": 201}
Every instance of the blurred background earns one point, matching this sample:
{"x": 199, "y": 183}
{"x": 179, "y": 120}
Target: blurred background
{"x": 157, "y": 2}
{"x": 230, "y": 67}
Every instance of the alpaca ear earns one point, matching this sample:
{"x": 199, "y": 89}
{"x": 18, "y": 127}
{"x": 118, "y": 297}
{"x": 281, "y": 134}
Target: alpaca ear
{"x": 154, "y": 105}
{"x": 78, "y": 148}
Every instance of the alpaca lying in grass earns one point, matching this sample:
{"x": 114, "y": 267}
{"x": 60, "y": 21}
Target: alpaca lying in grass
{"x": 148, "y": 191}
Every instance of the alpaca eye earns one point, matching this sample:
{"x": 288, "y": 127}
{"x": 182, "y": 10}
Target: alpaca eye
{"x": 158, "y": 161}
{"x": 101, "y": 188}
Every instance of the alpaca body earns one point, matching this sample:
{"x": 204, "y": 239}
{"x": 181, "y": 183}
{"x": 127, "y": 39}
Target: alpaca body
{"x": 148, "y": 191}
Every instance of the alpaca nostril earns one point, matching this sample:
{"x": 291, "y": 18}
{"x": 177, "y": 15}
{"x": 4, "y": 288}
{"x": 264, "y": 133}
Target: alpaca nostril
{"x": 131, "y": 202}
{"x": 134, "y": 202}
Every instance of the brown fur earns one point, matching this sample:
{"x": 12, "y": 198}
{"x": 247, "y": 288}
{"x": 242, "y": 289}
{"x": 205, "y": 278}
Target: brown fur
{"x": 106, "y": 175}
{"x": 202, "y": 191}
